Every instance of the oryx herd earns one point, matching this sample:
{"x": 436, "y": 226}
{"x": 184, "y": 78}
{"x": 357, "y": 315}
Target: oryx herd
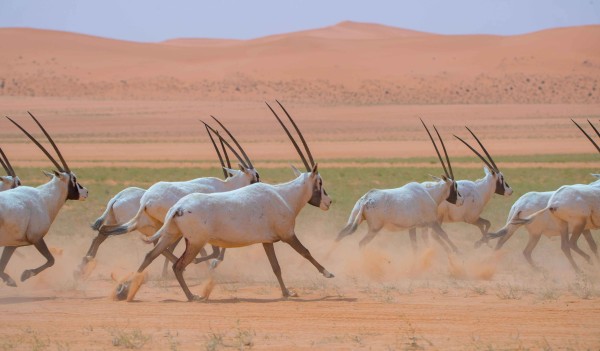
{"x": 240, "y": 210}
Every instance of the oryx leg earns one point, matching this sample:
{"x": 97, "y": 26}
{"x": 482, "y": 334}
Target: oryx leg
{"x": 163, "y": 243}
{"x": 191, "y": 251}
{"x": 6, "y": 255}
{"x": 437, "y": 228}
{"x": 573, "y": 242}
{"x": 370, "y": 235}
{"x": 484, "y": 226}
{"x": 170, "y": 250}
{"x": 531, "y": 244}
{"x": 504, "y": 238}
{"x": 216, "y": 254}
{"x": 270, "y": 251}
{"x": 566, "y": 246}
{"x": 91, "y": 253}
{"x": 425, "y": 236}
{"x": 297, "y": 245}
{"x": 43, "y": 249}
{"x": 591, "y": 242}
{"x": 412, "y": 233}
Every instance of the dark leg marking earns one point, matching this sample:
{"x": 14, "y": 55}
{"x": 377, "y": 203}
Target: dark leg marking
{"x": 297, "y": 245}
{"x": 6, "y": 254}
{"x": 270, "y": 251}
{"x": 188, "y": 256}
{"x": 43, "y": 249}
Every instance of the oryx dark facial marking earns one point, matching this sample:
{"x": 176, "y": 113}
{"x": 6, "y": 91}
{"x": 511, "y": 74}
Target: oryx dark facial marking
{"x": 256, "y": 178}
{"x": 501, "y": 185}
{"x": 74, "y": 188}
{"x": 315, "y": 199}
{"x": 454, "y": 194}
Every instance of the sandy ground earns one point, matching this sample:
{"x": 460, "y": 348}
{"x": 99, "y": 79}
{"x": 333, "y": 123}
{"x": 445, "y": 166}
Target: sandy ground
{"x": 382, "y": 298}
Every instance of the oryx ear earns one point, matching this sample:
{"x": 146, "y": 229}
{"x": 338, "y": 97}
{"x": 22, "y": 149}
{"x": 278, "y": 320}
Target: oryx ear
{"x": 231, "y": 172}
{"x": 488, "y": 171}
{"x": 315, "y": 169}
{"x": 435, "y": 178}
{"x": 296, "y": 171}
{"x": 595, "y": 175}
{"x": 444, "y": 178}
{"x": 48, "y": 174}
{"x": 242, "y": 168}
{"x": 5, "y": 179}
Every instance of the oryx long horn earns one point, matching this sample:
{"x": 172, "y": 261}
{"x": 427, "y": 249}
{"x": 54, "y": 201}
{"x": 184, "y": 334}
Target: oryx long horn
{"x": 218, "y": 152}
{"x": 235, "y": 141}
{"x": 308, "y": 169}
{"x": 476, "y": 153}
{"x": 586, "y": 135}
{"x": 4, "y": 165}
{"x": 225, "y": 153}
{"x": 66, "y": 167}
{"x": 227, "y": 144}
{"x": 38, "y": 145}
{"x": 310, "y": 158}
{"x": 436, "y": 148}
{"x": 445, "y": 152}
{"x": 10, "y": 167}
{"x": 484, "y": 150}
{"x": 595, "y": 130}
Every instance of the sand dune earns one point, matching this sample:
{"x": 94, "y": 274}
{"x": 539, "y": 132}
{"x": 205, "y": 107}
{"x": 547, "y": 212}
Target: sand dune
{"x": 350, "y": 62}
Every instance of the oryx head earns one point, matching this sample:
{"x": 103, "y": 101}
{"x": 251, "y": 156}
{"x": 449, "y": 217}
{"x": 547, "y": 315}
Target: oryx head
{"x": 502, "y": 187}
{"x": 319, "y": 197}
{"x": 11, "y": 180}
{"x": 454, "y": 196}
{"x": 74, "y": 190}
{"x": 246, "y": 167}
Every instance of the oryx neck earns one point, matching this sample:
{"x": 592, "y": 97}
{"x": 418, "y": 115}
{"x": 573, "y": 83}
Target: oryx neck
{"x": 486, "y": 186}
{"x": 438, "y": 191}
{"x": 296, "y": 192}
{"x": 54, "y": 195}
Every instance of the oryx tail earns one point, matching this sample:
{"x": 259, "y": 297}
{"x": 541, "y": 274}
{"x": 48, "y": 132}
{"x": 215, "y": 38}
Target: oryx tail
{"x": 355, "y": 219}
{"x": 127, "y": 227}
{"x": 173, "y": 212}
{"x": 515, "y": 222}
{"x": 102, "y": 219}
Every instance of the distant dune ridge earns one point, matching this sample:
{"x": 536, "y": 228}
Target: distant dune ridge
{"x": 349, "y": 63}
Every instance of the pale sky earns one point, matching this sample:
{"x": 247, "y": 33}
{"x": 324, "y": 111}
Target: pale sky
{"x": 152, "y": 20}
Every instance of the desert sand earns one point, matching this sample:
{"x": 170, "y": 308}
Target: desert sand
{"x": 357, "y": 91}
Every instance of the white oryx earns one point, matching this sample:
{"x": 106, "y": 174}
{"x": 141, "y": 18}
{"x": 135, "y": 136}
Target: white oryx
{"x": 9, "y": 181}
{"x": 124, "y": 206}
{"x": 257, "y": 214}
{"x": 160, "y": 197}
{"x": 411, "y": 206}
{"x": 543, "y": 224}
{"x": 571, "y": 209}
{"x": 26, "y": 213}
{"x": 476, "y": 194}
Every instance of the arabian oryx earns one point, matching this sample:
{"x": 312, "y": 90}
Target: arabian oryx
{"x": 257, "y": 214}
{"x": 411, "y": 206}
{"x": 570, "y": 209}
{"x": 9, "y": 181}
{"x": 160, "y": 197}
{"x": 27, "y": 213}
{"x": 476, "y": 194}
{"x": 122, "y": 207}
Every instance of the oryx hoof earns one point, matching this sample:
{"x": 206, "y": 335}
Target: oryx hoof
{"x": 122, "y": 290}
{"x": 214, "y": 263}
{"x": 196, "y": 298}
{"x": 290, "y": 293}
{"x": 10, "y": 282}
{"x": 326, "y": 274}
{"x": 27, "y": 274}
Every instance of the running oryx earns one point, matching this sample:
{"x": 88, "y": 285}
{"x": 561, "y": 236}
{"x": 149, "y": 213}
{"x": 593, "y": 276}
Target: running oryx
{"x": 26, "y": 213}
{"x": 158, "y": 199}
{"x": 411, "y": 206}
{"x": 476, "y": 194}
{"x": 123, "y": 206}
{"x": 571, "y": 209}
{"x": 257, "y": 214}
{"x": 9, "y": 181}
